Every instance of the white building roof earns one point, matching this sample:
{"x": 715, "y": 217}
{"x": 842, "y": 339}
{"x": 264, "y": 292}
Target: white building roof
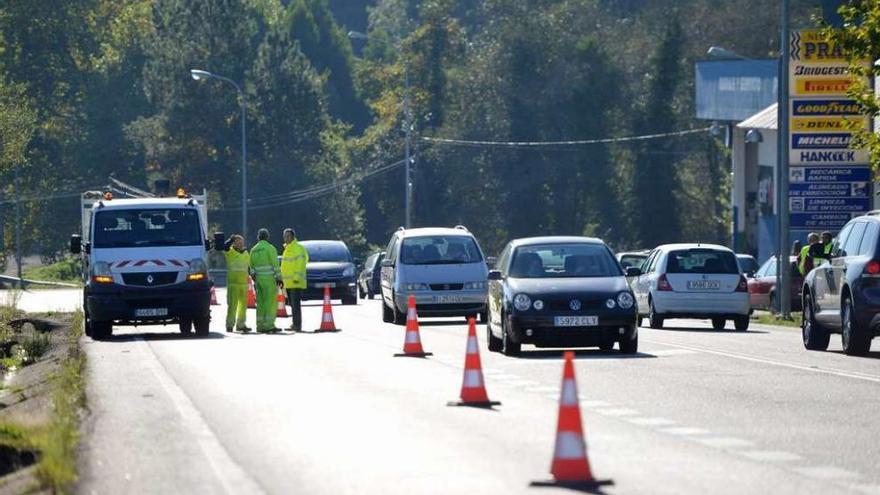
{"x": 765, "y": 119}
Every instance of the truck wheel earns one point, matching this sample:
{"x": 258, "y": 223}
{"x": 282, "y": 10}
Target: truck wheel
{"x": 102, "y": 329}
{"x": 203, "y": 326}
{"x": 185, "y": 325}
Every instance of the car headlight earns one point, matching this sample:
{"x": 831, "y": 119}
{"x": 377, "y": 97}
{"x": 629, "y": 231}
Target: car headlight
{"x": 101, "y": 273}
{"x": 538, "y": 304}
{"x": 522, "y": 302}
{"x": 415, "y": 287}
{"x": 198, "y": 270}
{"x": 625, "y": 300}
{"x": 348, "y": 272}
{"x": 610, "y": 304}
{"x": 475, "y": 285}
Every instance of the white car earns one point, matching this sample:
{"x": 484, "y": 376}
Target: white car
{"x": 700, "y": 281}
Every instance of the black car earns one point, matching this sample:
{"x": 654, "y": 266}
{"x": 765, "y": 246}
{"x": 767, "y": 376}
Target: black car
{"x": 559, "y": 292}
{"x": 330, "y": 265}
{"x": 371, "y": 275}
{"x": 842, "y": 295}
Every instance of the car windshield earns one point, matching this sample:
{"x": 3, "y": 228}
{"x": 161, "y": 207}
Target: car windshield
{"x": 628, "y": 260}
{"x": 563, "y": 260}
{"x": 142, "y": 228}
{"x": 327, "y": 252}
{"x": 701, "y": 261}
{"x": 747, "y": 264}
{"x": 439, "y": 250}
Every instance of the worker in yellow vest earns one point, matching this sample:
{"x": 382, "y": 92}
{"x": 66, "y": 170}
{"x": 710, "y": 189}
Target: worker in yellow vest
{"x": 264, "y": 265}
{"x": 293, "y": 275}
{"x": 805, "y": 261}
{"x": 237, "y": 262}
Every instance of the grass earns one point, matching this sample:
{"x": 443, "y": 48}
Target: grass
{"x": 773, "y": 319}
{"x": 66, "y": 270}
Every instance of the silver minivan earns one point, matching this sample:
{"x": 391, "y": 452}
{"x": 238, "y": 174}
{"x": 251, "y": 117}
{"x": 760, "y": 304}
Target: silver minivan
{"x": 443, "y": 268}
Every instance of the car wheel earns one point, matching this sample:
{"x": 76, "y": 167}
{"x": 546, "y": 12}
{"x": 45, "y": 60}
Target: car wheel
{"x": 718, "y": 323}
{"x": 495, "y": 343}
{"x": 370, "y": 294}
{"x": 629, "y": 346}
{"x": 387, "y": 314}
{"x": 360, "y": 291}
{"x": 203, "y": 326}
{"x": 606, "y": 346}
{"x": 508, "y": 346}
{"x": 741, "y": 323}
{"x": 101, "y": 329}
{"x": 349, "y": 301}
{"x": 399, "y": 318}
{"x": 87, "y": 324}
{"x": 185, "y": 325}
{"x": 771, "y": 304}
{"x": 655, "y": 321}
{"x": 816, "y": 337}
{"x": 856, "y": 341}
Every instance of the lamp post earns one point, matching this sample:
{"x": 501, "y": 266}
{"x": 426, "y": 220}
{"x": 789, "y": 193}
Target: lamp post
{"x": 198, "y": 75}
{"x": 783, "y": 274}
{"x": 721, "y": 52}
{"x": 408, "y": 189}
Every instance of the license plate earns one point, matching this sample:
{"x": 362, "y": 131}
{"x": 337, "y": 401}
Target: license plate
{"x": 322, "y": 285}
{"x": 703, "y": 285}
{"x": 576, "y": 321}
{"x": 448, "y": 299}
{"x": 150, "y": 312}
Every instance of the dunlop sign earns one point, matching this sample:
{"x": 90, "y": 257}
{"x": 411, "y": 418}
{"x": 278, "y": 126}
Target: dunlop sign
{"x": 829, "y": 181}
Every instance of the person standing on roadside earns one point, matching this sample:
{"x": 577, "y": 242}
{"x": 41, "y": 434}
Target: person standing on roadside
{"x": 805, "y": 261}
{"x": 293, "y": 275}
{"x": 237, "y": 263}
{"x": 264, "y": 264}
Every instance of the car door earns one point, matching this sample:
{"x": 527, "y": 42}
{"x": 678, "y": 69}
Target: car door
{"x": 388, "y": 271}
{"x": 823, "y": 281}
{"x": 496, "y": 288}
{"x": 642, "y": 284}
{"x": 838, "y": 269}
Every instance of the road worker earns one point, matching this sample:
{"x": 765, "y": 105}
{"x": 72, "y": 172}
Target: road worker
{"x": 237, "y": 263}
{"x": 293, "y": 275}
{"x": 264, "y": 266}
{"x": 827, "y": 244}
{"x": 805, "y": 261}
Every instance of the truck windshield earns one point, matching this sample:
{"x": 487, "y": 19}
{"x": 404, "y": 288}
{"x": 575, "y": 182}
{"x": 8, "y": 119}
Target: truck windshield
{"x": 142, "y": 228}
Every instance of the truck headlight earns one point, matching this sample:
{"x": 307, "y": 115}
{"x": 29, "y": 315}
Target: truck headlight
{"x": 198, "y": 270}
{"x": 101, "y": 273}
{"x": 522, "y": 302}
{"x": 625, "y": 300}
{"x": 348, "y": 272}
{"x": 475, "y": 285}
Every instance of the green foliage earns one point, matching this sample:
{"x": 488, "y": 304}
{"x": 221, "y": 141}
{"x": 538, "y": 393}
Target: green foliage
{"x": 65, "y": 270}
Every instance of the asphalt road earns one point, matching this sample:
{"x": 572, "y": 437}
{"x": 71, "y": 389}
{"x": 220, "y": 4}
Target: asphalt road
{"x": 697, "y": 411}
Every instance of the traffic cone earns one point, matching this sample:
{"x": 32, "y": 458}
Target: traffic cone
{"x": 473, "y": 388}
{"x": 251, "y": 295}
{"x": 570, "y": 467}
{"x": 412, "y": 344}
{"x": 282, "y": 305}
{"x": 214, "y": 298}
{"x": 327, "y": 324}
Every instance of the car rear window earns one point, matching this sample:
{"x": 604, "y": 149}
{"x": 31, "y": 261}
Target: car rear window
{"x": 563, "y": 260}
{"x": 439, "y": 250}
{"x": 629, "y": 260}
{"x": 327, "y": 252}
{"x": 701, "y": 261}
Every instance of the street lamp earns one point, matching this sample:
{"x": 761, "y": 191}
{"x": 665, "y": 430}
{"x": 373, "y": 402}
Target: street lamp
{"x": 408, "y": 189}
{"x": 198, "y": 75}
{"x": 720, "y": 52}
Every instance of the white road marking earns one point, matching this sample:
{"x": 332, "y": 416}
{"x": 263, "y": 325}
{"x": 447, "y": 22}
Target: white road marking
{"x": 827, "y": 472}
{"x": 641, "y": 421}
{"x": 616, "y": 411}
{"x": 745, "y": 357}
{"x": 772, "y": 456}
{"x": 725, "y": 442}
{"x": 233, "y": 478}
{"x": 684, "y": 430}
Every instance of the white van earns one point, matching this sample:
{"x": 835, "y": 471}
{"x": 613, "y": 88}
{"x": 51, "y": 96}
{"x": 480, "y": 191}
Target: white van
{"x": 443, "y": 268}
{"x": 144, "y": 263}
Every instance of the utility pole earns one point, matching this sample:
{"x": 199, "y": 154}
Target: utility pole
{"x": 18, "y": 226}
{"x": 408, "y": 123}
{"x": 783, "y": 274}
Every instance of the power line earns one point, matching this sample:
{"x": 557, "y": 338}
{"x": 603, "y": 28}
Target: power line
{"x": 536, "y": 144}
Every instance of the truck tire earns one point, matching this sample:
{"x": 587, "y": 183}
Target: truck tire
{"x": 203, "y": 326}
{"x": 185, "y": 325}
{"x": 101, "y": 330}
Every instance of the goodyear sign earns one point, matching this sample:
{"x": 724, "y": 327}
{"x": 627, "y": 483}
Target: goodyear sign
{"x": 824, "y": 108}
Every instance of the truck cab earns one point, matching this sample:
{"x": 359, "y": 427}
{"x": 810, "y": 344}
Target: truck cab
{"x": 144, "y": 263}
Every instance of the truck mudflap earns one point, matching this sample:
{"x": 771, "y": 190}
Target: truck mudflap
{"x": 148, "y": 305}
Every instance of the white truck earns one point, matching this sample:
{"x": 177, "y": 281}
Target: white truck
{"x": 144, "y": 262}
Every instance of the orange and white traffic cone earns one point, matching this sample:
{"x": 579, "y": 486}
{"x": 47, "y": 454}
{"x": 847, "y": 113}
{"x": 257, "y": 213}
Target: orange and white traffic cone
{"x": 327, "y": 324}
{"x": 214, "y": 298}
{"x": 412, "y": 343}
{"x": 570, "y": 467}
{"x": 473, "y": 388}
{"x": 282, "y": 305}
{"x": 251, "y": 295}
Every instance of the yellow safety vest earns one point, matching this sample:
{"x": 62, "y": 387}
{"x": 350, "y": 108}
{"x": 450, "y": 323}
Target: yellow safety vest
{"x": 237, "y": 267}
{"x": 264, "y": 259}
{"x": 293, "y": 265}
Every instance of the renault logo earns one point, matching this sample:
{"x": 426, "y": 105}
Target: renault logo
{"x": 575, "y": 305}
{"x": 149, "y": 279}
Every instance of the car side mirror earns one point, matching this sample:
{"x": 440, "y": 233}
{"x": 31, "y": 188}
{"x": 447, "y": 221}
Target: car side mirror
{"x": 495, "y": 275}
{"x": 491, "y": 261}
{"x": 633, "y": 271}
{"x": 387, "y": 263}
{"x": 219, "y": 240}
{"x": 76, "y": 244}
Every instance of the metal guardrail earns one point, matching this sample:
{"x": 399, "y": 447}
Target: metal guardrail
{"x": 6, "y": 279}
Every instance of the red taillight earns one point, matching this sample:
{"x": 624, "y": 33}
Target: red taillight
{"x": 872, "y": 268}
{"x": 743, "y": 285}
{"x": 663, "y": 284}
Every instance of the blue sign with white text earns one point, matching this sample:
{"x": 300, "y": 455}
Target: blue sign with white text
{"x": 837, "y": 140}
